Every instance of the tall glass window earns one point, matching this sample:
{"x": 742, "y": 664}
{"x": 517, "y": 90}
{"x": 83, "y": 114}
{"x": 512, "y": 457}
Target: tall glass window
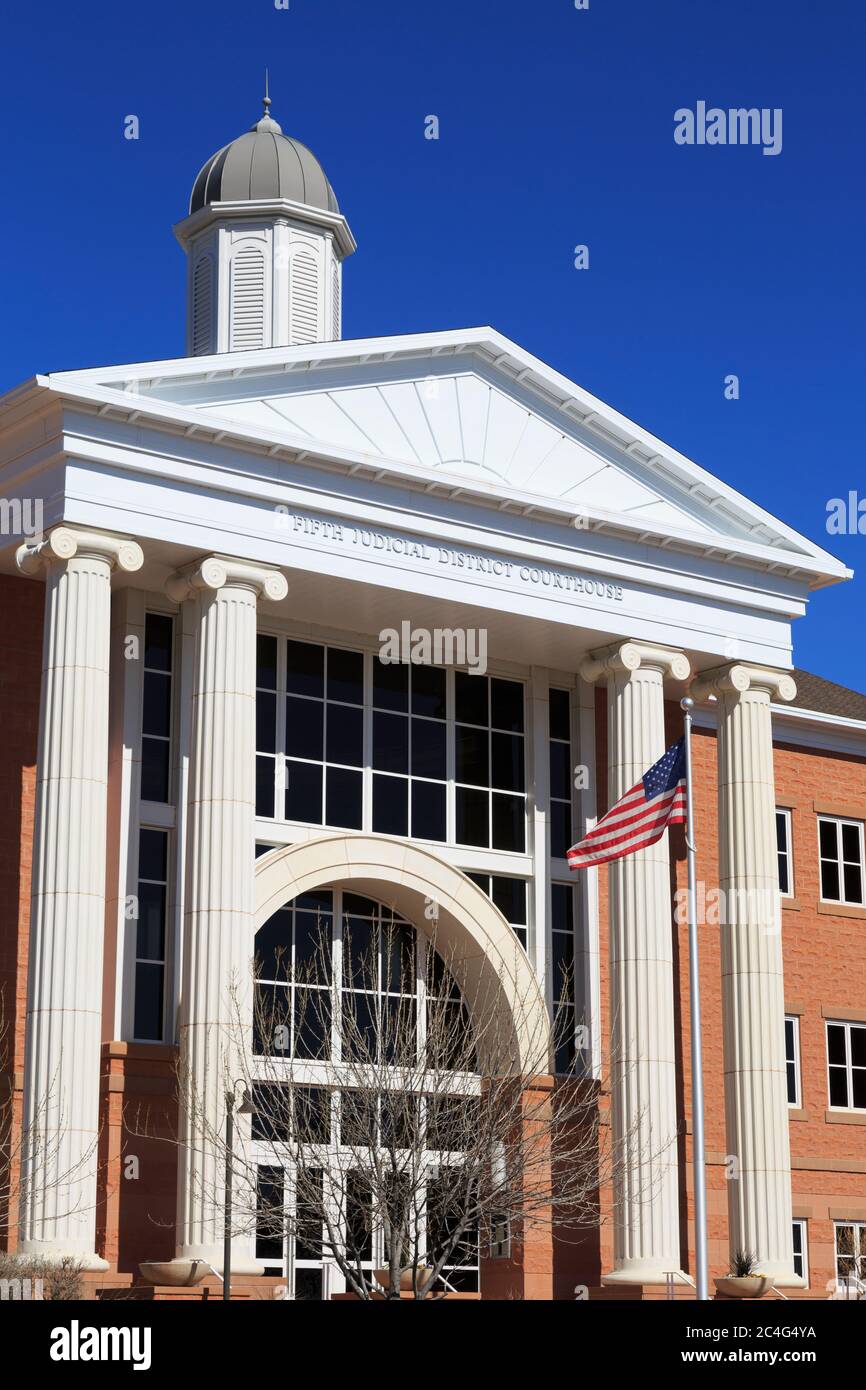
{"x": 409, "y": 750}
{"x": 567, "y": 972}
{"x": 151, "y": 934}
{"x": 156, "y": 708}
{"x": 560, "y": 773}
{"x": 489, "y": 762}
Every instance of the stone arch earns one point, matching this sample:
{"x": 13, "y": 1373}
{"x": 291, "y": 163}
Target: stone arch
{"x": 489, "y": 963}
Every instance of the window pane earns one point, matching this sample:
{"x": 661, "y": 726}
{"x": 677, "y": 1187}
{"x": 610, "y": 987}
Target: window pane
{"x": 560, "y": 722}
{"x": 563, "y": 907}
{"x": 829, "y": 843}
{"x": 359, "y": 1217}
{"x": 563, "y": 1033}
{"x": 313, "y": 932}
{"x": 345, "y": 736}
{"x": 312, "y": 1032}
{"x": 272, "y": 1017}
{"x": 506, "y": 705}
{"x": 158, "y": 630}
{"x": 472, "y": 756}
{"x": 858, "y": 1047}
{"x": 343, "y": 804}
{"x": 781, "y": 830}
{"x": 509, "y": 895}
{"x": 266, "y": 662}
{"x": 154, "y": 769}
{"x": 266, "y": 722}
{"x": 304, "y": 792}
{"x": 470, "y": 698}
{"x": 838, "y": 1086}
{"x": 305, "y": 724}
{"x": 390, "y": 805}
{"x": 156, "y": 717}
{"x": 148, "y": 1001}
{"x": 390, "y": 742}
{"x": 273, "y": 947}
{"x": 560, "y": 829}
{"x": 563, "y": 966}
{"x": 265, "y": 769}
{"x": 473, "y": 817}
{"x": 308, "y": 1285}
{"x": 784, "y": 886}
{"x": 836, "y": 1049}
{"x": 789, "y": 1038}
{"x": 858, "y": 1080}
{"x": 507, "y": 762}
{"x": 360, "y": 1033}
{"x": 305, "y": 667}
{"x": 560, "y": 771}
{"x": 153, "y": 855}
{"x": 269, "y": 1214}
{"x": 428, "y": 749}
{"x": 390, "y": 685}
{"x": 853, "y": 883}
{"x": 791, "y": 1072}
{"x": 150, "y": 934}
{"x": 509, "y": 818}
{"x": 312, "y": 1114}
{"x": 345, "y": 676}
{"x": 428, "y": 811}
{"x": 829, "y": 881}
{"x": 851, "y": 843}
{"x": 428, "y": 691}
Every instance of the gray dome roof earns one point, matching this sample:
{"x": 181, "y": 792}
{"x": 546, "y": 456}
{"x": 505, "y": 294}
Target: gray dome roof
{"x": 263, "y": 164}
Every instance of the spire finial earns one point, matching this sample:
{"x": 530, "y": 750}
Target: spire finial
{"x": 266, "y": 102}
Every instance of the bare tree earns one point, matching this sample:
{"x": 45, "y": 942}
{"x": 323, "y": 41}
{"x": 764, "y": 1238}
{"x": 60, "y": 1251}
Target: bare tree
{"x": 401, "y": 1117}
{"x": 31, "y": 1150}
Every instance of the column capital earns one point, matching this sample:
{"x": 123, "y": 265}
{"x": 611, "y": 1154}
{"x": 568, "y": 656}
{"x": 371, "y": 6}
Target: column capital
{"x": 631, "y": 656}
{"x": 737, "y": 678}
{"x": 64, "y": 543}
{"x": 215, "y": 571}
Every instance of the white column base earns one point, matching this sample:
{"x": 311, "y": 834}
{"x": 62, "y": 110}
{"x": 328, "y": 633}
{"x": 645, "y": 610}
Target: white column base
{"x": 642, "y": 1272}
{"x": 54, "y": 1252}
{"x": 213, "y": 1256}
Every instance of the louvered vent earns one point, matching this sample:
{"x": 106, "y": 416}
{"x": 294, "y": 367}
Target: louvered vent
{"x": 248, "y": 299}
{"x": 202, "y": 307}
{"x": 305, "y": 298}
{"x": 335, "y": 305}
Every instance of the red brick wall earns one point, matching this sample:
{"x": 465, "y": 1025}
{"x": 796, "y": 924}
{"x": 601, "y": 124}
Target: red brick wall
{"x": 21, "y": 606}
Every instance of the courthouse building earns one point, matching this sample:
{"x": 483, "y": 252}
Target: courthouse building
{"x": 198, "y": 724}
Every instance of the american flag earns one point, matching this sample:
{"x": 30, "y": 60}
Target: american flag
{"x": 641, "y": 816}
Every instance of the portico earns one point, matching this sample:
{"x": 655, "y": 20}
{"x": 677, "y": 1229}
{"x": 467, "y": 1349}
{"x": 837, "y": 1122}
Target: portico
{"x": 229, "y": 538}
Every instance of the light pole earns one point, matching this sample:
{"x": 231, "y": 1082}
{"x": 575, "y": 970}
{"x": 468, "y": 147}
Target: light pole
{"x": 245, "y": 1108}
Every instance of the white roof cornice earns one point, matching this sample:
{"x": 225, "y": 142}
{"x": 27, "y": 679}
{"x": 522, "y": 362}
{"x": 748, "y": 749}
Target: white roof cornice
{"x": 770, "y": 545}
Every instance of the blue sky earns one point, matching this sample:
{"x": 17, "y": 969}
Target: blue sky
{"x": 556, "y": 129}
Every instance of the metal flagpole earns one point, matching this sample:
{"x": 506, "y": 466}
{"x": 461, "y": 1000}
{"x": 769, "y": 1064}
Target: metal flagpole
{"x": 698, "y": 1157}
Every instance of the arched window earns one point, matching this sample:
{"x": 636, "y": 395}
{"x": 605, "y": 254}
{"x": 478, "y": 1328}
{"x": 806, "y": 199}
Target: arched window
{"x": 341, "y": 978}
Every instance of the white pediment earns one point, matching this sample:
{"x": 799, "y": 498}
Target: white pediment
{"x": 464, "y": 406}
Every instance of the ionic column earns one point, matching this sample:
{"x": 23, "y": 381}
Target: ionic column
{"x": 753, "y": 998}
{"x": 67, "y": 915}
{"x": 220, "y": 882}
{"x": 643, "y": 1070}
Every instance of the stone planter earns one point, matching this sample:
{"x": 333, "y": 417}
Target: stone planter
{"x": 744, "y": 1285}
{"x": 383, "y": 1277}
{"x": 176, "y": 1273}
